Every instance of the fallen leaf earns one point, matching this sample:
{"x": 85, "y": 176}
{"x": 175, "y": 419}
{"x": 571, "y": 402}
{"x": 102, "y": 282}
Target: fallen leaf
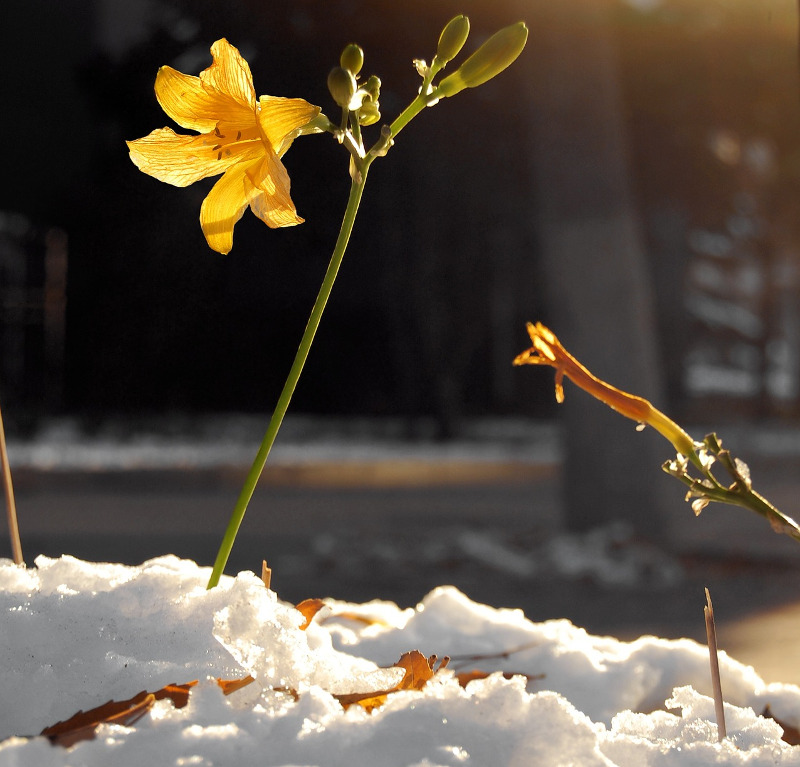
{"x": 309, "y": 608}
{"x": 82, "y": 726}
{"x": 791, "y": 735}
{"x": 367, "y": 620}
{"x": 229, "y": 686}
{"x": 419, "y": 670}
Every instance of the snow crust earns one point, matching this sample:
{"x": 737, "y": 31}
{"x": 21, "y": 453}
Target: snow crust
{"x": 76, "y": 634}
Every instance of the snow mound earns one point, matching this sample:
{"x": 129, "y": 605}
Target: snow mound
{"x": 76, "y": 634}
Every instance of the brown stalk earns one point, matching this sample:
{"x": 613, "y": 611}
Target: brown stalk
{"x": 266, "y": 573}
{"x": 11, "y": 506}
{"x": 713, "y": 656}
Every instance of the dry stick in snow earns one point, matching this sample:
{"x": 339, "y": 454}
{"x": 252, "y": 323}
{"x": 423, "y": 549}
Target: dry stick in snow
{"x": 266, "y": 573}
{"x": 711, "y": 633}
{"x": 11, "y": 506}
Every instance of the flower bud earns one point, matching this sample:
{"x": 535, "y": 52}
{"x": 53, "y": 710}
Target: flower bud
{"x": 342, "y": 86}
{"x": 369, "y": 113}
{"x": 352, "y": 59}
{"x": 373, "y": 87}
{"x": 497, "y": 53}
{"x": 452, "y": 40}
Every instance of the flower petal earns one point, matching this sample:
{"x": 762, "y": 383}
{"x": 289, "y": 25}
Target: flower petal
{"x": 185, "y": 99}
{"x": 230, "y": 74}
{"x": 267, "y": 187}
{"x": 281, "y": 119}
{"x": 180, "y": 160}
{"x": 223, "y": 207}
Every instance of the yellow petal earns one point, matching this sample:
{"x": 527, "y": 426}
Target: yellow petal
{"x": 230, "y": 74}
{"x": 192, "y": 106}
{"x": 223, "y": 207}
{"x": 267, "y": 187}
{"x": 180, "y": 160}
{"x": 282, "y": 118}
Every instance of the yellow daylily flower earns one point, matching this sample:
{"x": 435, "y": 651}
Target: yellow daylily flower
{"x": 547, "y": 350}
{"x": 240, "y": 136}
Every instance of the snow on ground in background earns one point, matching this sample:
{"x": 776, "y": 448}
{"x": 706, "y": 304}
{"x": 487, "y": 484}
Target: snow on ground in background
{"x": 611, "y": 554}
{"x": 232, "y": 441}
{"x": 75, "y": 634}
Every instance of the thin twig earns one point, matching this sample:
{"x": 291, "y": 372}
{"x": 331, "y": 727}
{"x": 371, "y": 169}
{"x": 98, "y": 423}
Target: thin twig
{"x": 11, "y": 506}
{"x": 266, "y": 573}
{"x": 462, "y": 660}
{"x": 711, "y": 633}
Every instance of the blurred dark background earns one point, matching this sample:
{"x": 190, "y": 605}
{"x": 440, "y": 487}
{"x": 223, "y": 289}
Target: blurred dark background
{"x": 632, "y": 180}
{"x": 155, "y": 320}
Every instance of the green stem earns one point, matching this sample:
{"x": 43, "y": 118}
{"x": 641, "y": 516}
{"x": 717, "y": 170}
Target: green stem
{"x": 408, "y": 114}
{"x": 356, "y": 191}
{"x": 753, "y": 501}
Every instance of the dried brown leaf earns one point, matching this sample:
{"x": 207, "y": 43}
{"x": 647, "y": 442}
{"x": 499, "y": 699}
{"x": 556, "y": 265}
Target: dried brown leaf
{"x": 791, "y": 735}
{"x": 419, "y": 670}
{"x": 367, "y": 620}
{"x": 309, "y": 608}
{"x": 82, "y": 725}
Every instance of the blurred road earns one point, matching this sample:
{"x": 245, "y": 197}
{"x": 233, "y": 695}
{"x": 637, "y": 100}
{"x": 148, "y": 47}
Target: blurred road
{"x": 367, "y": 529}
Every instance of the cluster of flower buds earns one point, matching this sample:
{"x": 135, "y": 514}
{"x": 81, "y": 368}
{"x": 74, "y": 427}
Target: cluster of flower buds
{"x": 343, "y": 86}
{"x": 497, "y": 53}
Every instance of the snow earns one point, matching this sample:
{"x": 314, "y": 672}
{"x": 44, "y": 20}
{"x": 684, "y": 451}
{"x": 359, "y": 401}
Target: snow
{"x": 75, "y": 634}
{"x": 231, "y": 441}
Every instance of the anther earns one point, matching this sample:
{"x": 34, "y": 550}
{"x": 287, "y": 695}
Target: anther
{"x": 219, "y": 155}
{"x": 217, "y": 133}
{"x": 217, "y": 146}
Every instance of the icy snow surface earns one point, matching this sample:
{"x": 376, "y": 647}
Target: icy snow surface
{"x": 76, "y": 634}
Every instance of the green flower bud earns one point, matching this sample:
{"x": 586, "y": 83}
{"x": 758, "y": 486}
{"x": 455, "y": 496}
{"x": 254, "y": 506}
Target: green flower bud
{"x": 452, "y": 40}
{"x": 342, "y": 86}
{"x": 352, "y": 59}
{"x": 373, "y": 87}
{"x": 369, "y": 113}
{"x": 497, "y": 53}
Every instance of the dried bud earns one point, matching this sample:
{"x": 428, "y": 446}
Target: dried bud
{"x": 452, "y": 40}
{"x": 352, "y": 59}
{"x": 342, "y": 86}
{"x": 497, "y": 53}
